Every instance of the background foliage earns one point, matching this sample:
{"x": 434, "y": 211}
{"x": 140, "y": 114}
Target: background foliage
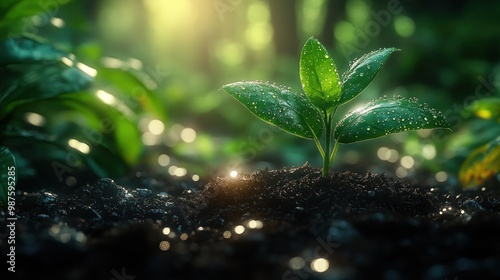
{"x": 183, "y": 51}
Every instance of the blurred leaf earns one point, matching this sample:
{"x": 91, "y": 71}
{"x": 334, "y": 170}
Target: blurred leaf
{"x": 17, "y": 9}
{"x": 279, "y": 106}
{"x": 362, "y": 71}
{"x": 7, "y": 165}
{"x": 386, "y": 116}
{"x": 131, "y": 91}
{"x": 114, "y": 140}
{"x": 481, "y": 164}
{"x": 319, "y": 76}
{"x": 486, "y": 108}
{"x": 32, "y": 70}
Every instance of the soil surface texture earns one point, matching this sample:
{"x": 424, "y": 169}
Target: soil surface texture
{"x": 281, "y": 224}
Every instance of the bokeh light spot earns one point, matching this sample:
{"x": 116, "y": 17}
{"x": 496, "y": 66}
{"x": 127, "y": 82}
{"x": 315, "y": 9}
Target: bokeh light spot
{"x": 320, "y": 265}
{"x": 34, "y": 119}
{"x": 239, "y": 229}
{"x": 188, "y": 135}
{"x": 163, "y": 160}
{"x": 164, "y": 245}
{"x": 79, "y": 146}
{"x": 296, "y": 263}
{"x": 156, "y": 127}
{"x": 441, "y": 176}
{"x": 429, "y": 151}
{"x": 404, "y": 26}
{"x": 407, "y": 162}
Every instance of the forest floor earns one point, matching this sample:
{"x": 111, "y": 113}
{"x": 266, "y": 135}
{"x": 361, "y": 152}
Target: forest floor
{"x": 281, "y": 224}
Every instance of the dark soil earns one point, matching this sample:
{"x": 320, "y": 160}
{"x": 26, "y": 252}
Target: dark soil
{"x": 367, "y": 227}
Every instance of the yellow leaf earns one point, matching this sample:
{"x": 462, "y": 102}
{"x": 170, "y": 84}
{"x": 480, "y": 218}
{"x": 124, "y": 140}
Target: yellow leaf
{"x": 482, "y": 163}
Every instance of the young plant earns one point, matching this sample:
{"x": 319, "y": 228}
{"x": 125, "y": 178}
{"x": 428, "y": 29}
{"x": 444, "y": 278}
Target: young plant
{"x": 310, "y": 115}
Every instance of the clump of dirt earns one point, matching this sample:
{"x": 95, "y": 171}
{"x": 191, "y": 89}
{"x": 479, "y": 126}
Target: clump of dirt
{"x": 280, "y": 224}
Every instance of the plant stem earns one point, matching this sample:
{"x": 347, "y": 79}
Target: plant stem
{"x": 328, "y": 135}
{"x": 335, "y": 148}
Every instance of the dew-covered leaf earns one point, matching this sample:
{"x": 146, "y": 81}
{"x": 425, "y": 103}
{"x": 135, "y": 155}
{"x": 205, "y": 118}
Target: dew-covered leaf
{"x": 361, "y": 72}
{"x": 7, "y": 164}
{"x": 481, "y": 164}
{"x": 279, "y": 106}
{"x": 385, "y": 116}
{"x": 319, "y": 76}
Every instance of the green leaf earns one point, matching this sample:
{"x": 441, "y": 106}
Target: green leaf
{"x": 113, "y": 138}
{"x": 279, "y": 106}
{"x": 17, "y": 9}
{"x": 319, "y": 76}
{"x": 361, "y": 72}
{"x": 128, "y": 88}
{"x": 481, "y": 164}
{"x": 7, "y": 163}
{"x": 385, "y": 116}
{"x": 32, "y": 70}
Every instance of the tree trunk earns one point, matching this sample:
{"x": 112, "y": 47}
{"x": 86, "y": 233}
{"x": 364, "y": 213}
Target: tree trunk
{"x": 284, "y": 21}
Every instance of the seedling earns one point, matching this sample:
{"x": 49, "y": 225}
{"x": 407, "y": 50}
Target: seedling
{"x": 310, "y": 114}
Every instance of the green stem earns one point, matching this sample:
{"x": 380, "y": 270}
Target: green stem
{"x": 335, "y": 148}
{"x": 328, "y": 135}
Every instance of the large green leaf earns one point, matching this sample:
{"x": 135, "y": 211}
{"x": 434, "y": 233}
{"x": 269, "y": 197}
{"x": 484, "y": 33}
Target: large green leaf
{"x": 319, "y": 77}
{"x": 32, "y": 70}
{"x": 385, "y": 116}
{"x": 361, "y": 72}
{"x": 8, "y": 174}
{"x": 114, "y": 140}
{"x": 279, "y": 106}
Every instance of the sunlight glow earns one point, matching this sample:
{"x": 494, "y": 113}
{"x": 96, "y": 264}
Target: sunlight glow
{"x": 163, "y": 160}
{"x": 111, "y": 62}
{"x": 230, "y": 53}
{"x": 188, "y": 135}
{"x": 164, "y": 245}
{"x": 320, "y": 265}
{"x": 57, "y": 22}
{"x": 296, "y": 263}
{"x": 34, "y": 119}
{"x": 227, "y": 234}
{"x": 407, "y": 162}
{"x": 156, "y": 127}
{"x": 255, "y": 224}
{"x": 441, "y": 176}
{"x": 183, "y": 236}
{"x": 401, "y": 172}
{"x": 67, "y": 61}
{"x": 233, "y": 174}
{"x": 179, "y": 172}
{"x": 106, "y": 97}
{"x": 87, "y": 69}
{"x": 166, "y": 230}
{"x": 404, "y": 26}
{"x": 149, "y": 139}
{"x": 79, "y": 146}
{"x": 239, "y": 229}
{"x": 429, "y": 151}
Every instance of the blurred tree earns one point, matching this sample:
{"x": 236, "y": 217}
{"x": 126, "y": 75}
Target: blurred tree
{"x": 284, "y": 21}
{"x": 335, "y": 11}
